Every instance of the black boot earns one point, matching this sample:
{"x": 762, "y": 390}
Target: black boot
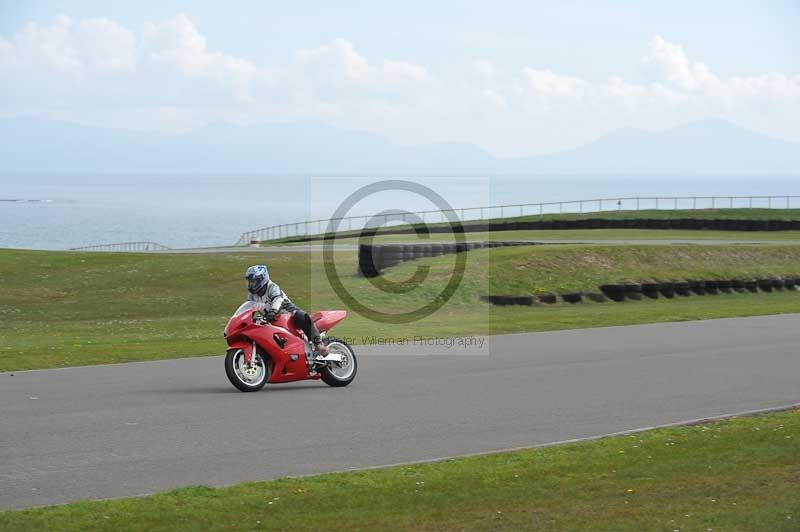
{"x": 320, "y": 349}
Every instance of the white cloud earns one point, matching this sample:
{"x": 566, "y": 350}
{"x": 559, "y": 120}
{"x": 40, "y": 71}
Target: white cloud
{"x": 339, "y": 58}
{"x": 96, "y": 66}
{"x": 399, "y": 72}
{"x": 674, "y": 66}
{"x": 89, "y": 47}
{"x": 495, "y": 99}
{"x": 177, "y": 43}
{"x": 544, "y": 88}
{"x": 339, "y": 61}
{"x": 8, "y": 53}
{"x": 484, "y": 68}
{"x": 680, "y": 89}
{"x": 175, "y": 46}
{"x": 105, "y": 45}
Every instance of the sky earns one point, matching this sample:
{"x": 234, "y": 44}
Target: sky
{"x": 515, "y": 78}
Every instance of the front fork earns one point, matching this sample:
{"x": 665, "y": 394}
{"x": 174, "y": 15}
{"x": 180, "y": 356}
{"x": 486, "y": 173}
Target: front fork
{"x": 249, "y": 356}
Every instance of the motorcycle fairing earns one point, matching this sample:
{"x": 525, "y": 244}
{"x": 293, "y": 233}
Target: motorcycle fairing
{"x": 326, "y": 320}
{"x": 284, "y": 369}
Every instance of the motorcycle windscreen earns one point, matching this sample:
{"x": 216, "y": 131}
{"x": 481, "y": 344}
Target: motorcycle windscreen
{"x": 248, "y": 305}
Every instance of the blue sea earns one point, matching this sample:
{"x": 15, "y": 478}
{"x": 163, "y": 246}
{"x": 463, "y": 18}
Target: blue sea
{"x": 197, "y": 211}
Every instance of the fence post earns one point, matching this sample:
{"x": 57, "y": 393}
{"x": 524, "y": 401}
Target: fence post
{"x": 787, "y": 202}
{"x": 541, "y": 209}
{"x": 769, "y": 202}
{"x": 637, "y": 203}
{"x": 713, "y": 202}
{"x": 751, "y": 202}
{"x": 731, "y": 202}
{"x": 676, "y": 204}
{"x": 581, "y": 206}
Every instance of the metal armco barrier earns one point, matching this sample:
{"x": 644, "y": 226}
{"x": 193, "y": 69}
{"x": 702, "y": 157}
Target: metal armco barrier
{"x": 124, "y": 247}
{"x": 496, "y": 212}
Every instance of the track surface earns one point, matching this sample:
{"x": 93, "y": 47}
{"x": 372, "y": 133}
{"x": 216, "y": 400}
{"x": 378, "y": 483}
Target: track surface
{"x": 111, "y": 431}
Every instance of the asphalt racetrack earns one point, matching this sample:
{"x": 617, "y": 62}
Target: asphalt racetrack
{"x": 129, "y": 429}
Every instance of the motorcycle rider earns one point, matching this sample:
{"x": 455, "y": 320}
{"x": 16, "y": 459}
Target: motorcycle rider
{"x": 261, "y": 289}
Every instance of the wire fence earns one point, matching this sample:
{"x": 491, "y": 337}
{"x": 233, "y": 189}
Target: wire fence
{"x": 350, "y": 223}
{"x": 125, "y": 247}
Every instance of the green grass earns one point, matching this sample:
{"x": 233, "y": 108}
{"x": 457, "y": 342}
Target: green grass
{"x": 735, "y": 475}
{"x": 64, "y": 309}
{"x": 576, "y": 267}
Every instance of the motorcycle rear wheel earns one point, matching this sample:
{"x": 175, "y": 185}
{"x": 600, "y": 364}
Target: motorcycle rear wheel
{"x": 344, "y": 375}
{"x": 234, "y": 369}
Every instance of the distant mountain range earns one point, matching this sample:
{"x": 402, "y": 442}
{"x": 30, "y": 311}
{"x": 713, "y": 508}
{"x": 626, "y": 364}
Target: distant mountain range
{"x": 41, "y": 146}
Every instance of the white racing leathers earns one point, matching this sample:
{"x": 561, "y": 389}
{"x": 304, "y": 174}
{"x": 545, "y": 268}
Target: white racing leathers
{"x": 274, "y": 298}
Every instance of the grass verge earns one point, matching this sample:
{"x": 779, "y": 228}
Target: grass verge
{"x": 737, "y": 474}
{"x": 650, "y": 214}
{"x": 64, "y": 309}
{"x": 581, "y": 234}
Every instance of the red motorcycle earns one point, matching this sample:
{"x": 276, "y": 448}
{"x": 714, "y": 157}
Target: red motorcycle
{"x": 260, "y": 351}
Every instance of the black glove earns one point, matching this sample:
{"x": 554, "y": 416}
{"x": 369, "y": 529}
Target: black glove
{"x": 271, "y": 315}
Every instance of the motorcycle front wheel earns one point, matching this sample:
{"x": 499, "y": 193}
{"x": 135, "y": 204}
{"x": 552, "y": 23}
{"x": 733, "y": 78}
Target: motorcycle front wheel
{"x": 340, "y": 375}
{"x": 244, "y": 378}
